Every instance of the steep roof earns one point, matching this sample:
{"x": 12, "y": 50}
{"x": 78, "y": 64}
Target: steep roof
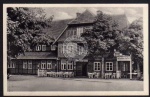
{"x": 85, "y": 17}
{"x": 121, "y": 20}
{"x": 38, "y": 55}
{"x": 58, "y": 27}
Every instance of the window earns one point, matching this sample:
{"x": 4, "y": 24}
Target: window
{"x": 25, "y": 64}
{"x": 80, "y": 50}
{"x": 43, "y": 47}
{"x": 70, "y": 66}
{"x": 43, "y": 64}
{"x": 69, "y": 49}
{"x": 63, "y": 66}
{"x": 29, "y": 64}
{"x": 109, "y": 66}
{"x": 38, "y": 48}
{"x": 64, "y": 48}
{"x": 53, "y": 47}
{"x": 97, "y": 66}
{"x": 74, "y": 32}
{"x": 49, "y": 64}
{"x": 12, "y": 65}
{"x": 79, "y": 31}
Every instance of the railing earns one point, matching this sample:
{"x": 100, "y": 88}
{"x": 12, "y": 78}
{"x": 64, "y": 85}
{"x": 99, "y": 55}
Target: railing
{"x": 55, "y": 74}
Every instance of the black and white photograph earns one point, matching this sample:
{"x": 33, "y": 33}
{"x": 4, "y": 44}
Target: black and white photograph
{"x": 75, "y": 49}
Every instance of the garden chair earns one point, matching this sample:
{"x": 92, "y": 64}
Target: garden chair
{"x": 90, "y": 75}
{"x": 113, "y": 75}
{"x": 54, "y": 74}
{"x": 106, "y": 75}
{"x": 97, "y": 75}
{"x": 70, "y": 74}
{"x": 48, "y": 74}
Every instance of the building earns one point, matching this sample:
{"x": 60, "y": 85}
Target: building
{"x": 51, "y": 57}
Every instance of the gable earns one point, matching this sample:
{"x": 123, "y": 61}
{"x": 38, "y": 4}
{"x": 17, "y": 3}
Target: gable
{"x": 85, "y": 18}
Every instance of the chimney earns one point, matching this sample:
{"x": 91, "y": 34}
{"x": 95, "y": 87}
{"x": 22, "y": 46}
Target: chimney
{"x": 99, "y": 12}
{"x": 78, "y": 14}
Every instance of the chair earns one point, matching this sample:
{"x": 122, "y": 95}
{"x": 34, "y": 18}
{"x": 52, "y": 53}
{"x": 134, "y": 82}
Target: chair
{"x": 97, "y": 75}
{"x": 53, "y": 74}
{"x": 48, "y": 74}
{"x": 106, "y": 75}
{"x": 114, "y": 75}
{"x": 90, "y": 75}
{"x": 110, "y": 75}
{"x": 66, "y": 74}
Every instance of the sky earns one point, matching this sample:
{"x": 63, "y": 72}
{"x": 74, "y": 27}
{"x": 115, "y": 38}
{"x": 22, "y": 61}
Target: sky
{"x": 61, "y": 13}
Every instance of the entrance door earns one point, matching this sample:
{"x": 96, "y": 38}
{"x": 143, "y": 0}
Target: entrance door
{"x": 81, "y": 69}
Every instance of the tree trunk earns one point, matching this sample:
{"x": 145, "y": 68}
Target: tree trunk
{"x": 138, "y": 71}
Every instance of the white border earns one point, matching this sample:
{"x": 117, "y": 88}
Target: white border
{"x": 78, "y": 93}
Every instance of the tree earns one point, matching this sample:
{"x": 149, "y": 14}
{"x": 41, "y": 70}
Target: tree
{"x": 103, "y": 37}
{"x": 132, "y": 43}
{"x": 24, "y": 26}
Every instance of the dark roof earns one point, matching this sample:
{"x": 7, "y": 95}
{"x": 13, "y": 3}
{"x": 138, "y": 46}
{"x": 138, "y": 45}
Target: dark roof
{"x": 38, "y": 55}
{"x": 58, "y": 27}
{"x": 121, "y": 20}
{"x": 85, "y": 17}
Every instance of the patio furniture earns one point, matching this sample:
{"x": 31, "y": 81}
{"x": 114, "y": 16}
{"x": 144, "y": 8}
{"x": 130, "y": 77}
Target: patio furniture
{"x": 108, "y": 75}
{"x": 97, "y": 75}
{"x": 66, "y": 74}
{"x": 113, "y": 75}
{"x": 123, "y": 75}
{"x": 48, "y": 74}
{"x": 90, "y": 75}
{"x": 60, "y": 74}
{"x": 53, "y": 74}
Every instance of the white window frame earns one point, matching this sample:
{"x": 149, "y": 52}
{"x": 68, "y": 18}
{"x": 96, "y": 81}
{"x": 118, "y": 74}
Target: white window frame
{"x": 25, "y": 64}
{"x": 109, "y": 66}
{"x": 64, "y": 48}
{"x": 49, "y": 64}
{"x": 43, "y": 64}
{"x": 43, "y": 47}
{"x": 96, "y": 66}
{"x": 79, "y": 31}
{"x": 70, "y": 66}
{"x": 38, "y": 48}
{"x": 11, "y": 65}
{"x": 29, "y": 64}
{"x": 63, "y": 66}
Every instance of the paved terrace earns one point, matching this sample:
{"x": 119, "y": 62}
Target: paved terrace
{"x": 34, "y": 83}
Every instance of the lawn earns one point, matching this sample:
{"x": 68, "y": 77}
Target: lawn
{"x": 34, "y": 83}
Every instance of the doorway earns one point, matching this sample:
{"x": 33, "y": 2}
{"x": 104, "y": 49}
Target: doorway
{"x": 81, "y": 69}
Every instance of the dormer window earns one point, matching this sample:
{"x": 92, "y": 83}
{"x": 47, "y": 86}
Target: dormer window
{"x": 38, "y": 48}
{"x": 43, "y": 47}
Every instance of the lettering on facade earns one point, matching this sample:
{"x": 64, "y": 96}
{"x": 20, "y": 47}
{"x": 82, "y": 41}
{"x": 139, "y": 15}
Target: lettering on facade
{"x": 124, "y": 58}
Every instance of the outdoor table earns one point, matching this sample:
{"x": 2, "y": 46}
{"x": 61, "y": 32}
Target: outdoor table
{"x": 134, "y": 75}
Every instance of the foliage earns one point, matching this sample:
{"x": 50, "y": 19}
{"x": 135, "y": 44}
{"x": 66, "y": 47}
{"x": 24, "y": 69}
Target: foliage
{"x": 103, "y": 36}
{"x": 132, "y": 42}
{"x": 24, "y": 28}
